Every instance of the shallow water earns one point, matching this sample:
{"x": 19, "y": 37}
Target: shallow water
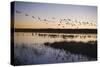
{"x": 30, "y": 48}
{"x": 40, "y": 38}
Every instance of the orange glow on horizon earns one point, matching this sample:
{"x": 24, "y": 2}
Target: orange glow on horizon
{"x": 55, "y": 25}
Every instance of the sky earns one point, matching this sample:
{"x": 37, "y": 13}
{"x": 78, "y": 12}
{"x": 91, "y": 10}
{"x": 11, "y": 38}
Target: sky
{"x": 46, "y": 15}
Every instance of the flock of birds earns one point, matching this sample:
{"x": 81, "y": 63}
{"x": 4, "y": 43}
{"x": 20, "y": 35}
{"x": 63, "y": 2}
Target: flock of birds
{"x": 61, "y": 22}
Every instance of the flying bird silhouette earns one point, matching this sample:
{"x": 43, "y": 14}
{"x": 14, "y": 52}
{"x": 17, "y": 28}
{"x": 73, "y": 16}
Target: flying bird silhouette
{"x": 26, "y": 15}
{"x": 39, "y": 18}
{"x": 45, "y": 20}
{"x": 53, "y": 17}
{"x": 63, "y": 26}
{"x": 33, "y": 17}
{"x": 18, "y": 12}
{"x": 69, "y": 19}
{"x": 58, "y": 24}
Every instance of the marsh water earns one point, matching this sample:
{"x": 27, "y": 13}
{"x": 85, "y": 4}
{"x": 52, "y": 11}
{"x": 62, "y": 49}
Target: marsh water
{"x": 30, "y": 48}
{"x": 39, "y": 38}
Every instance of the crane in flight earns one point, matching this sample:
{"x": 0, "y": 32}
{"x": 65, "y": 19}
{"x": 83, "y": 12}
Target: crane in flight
{"x": 18, "y": 12}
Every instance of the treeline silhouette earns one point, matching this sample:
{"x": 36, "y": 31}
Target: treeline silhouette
{"x": 88, "y": 49}
{"x": 57, "y": 30}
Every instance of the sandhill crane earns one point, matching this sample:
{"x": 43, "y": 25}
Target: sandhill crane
{"x": 63, "y": 26}
{"x": 69, "y": 19}
{"x": 39, "y": 18}
{"x": 33, "y": 17}
{"x": 58, "y": 24}
{"x": 18, "y": 12}
{"x": 26, "y": 15}
{"x": 53, "y": 17}
{"x": 45, "y": 20}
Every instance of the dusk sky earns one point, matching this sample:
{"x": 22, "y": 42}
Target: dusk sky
{"x": 31, "y": 15}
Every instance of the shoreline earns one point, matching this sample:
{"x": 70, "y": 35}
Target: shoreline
{"x": 56, "y": 30}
